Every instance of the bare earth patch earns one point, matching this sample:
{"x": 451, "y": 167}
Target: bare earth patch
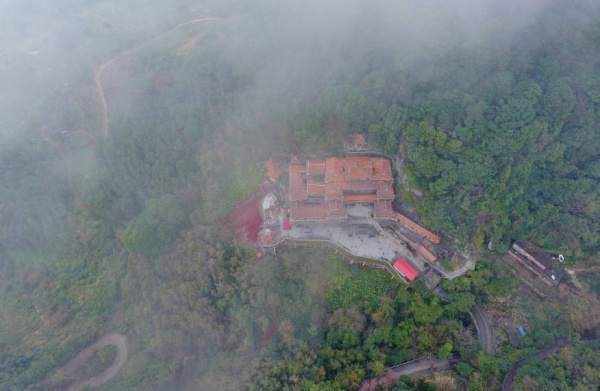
{"x": 244, "y": 221}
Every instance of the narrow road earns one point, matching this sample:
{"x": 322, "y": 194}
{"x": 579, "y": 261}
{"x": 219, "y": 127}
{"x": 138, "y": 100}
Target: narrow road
{"x": 510, "y": 376}
{"x": 411, "y": 369}
{"x": 116, "y": 339}
{"x": 418, "y": 367}
{"x": 485, "y": 332}
{"x": 583, "y": 269}
{"x": 102, "y": 68}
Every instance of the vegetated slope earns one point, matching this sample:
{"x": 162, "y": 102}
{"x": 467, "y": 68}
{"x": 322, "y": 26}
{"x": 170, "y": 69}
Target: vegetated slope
{"x": 500, "y": 139}
{"x": 498, "y": 136}
{"x": 512, "y": 154}
{"x": 571, "y": 367}
{"x": 62, "y": 261}
{"x": 363, "y": 331}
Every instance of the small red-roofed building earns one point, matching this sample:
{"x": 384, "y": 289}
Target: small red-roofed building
{"x": 405, "y": 269}
{"x": 359, "y": 140}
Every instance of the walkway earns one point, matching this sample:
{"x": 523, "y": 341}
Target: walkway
{"x": 411, "y": 369}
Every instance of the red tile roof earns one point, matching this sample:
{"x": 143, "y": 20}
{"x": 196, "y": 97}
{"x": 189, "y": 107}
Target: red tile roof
{"x": 354, "y": 179}
{"x": 383, "y": 210}
{"x": 298, "y": 190}
{"x": 382, "y": 169}
{"x": 315, "y": 188}
{"x": 360, "y": 186}
{"x": 385, "y": 190}
{"x": 336, "y": 210}
{"x": 417, "y": 228}
{"x": 335, "y": 170}
{"x": 361, "y": 198}
{"x": 303, "y": 212}
{"x": 334, "y": 191}
{"x": 359, "y": 167}
{"x": 315, "y": 166}
{"x": 426, "y": 253}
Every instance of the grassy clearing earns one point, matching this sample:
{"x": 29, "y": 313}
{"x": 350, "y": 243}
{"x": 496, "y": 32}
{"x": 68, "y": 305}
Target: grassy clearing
{"x": 352, "y": 284}
{"x": 347, "y": 256}
{"x": 246, "y": 182}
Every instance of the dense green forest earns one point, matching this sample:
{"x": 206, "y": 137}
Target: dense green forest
{"x": 114, "y": 218}
{"x": 503, "y": 144}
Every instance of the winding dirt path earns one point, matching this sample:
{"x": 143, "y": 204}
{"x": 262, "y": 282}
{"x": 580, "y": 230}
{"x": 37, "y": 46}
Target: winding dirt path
{"x": 116, "y": 339}
{"x": 102, "y": 68}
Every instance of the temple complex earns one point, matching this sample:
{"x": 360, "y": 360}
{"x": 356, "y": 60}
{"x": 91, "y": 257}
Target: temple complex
{"x": 347, "y": 201}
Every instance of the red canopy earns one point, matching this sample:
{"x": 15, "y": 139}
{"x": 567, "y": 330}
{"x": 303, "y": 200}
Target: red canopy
{"x": 405, "y": 269}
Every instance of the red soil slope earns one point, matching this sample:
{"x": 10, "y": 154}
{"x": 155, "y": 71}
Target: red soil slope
{"x": 244, "y": 220}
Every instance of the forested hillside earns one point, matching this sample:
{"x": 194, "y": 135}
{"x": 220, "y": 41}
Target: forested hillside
{"x": 501, "y": 140}
{"x": 128, "y": 132}
{"x": 514, "y": 153}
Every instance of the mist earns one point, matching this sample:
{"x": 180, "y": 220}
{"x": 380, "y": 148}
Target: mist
{"x": 129, "y": 132}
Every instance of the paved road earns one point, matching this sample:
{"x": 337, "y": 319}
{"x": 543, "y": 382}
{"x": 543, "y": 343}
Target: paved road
{"x": 116, "y": 339}
{"x": 485, "y": 332}
{"x": 410, "y": 369}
